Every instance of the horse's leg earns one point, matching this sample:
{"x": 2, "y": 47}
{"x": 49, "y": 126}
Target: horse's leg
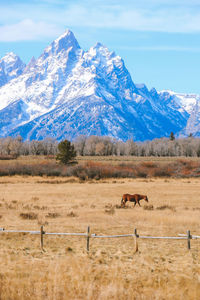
{"x": 139, "y": 202}
{"x": 123, "y": 202}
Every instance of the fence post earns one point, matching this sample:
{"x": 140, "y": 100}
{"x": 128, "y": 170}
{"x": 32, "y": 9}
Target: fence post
{"x": 188, "y": 239}
{"x": 136, "y": 243}
{"x": 88, "y": 239}
{"x": 41, "y": 237}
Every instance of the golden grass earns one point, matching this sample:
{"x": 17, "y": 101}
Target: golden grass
{"x": 112, "y": 270}
{"x": 103, "y": 159}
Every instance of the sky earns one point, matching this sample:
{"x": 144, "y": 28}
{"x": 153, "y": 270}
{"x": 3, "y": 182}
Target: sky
{"x": 159, "y": 40}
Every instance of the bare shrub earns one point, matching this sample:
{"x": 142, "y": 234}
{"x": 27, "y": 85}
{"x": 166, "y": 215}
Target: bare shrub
{"x": 72, "y": 214}
{"x": 69, "y": 249}
{"x": 149, "y": 164}
{"x": 196, "y": 208}
{"x": 8, "y": 157}
{"x": 28, "y": 216}
{"x": 10, "y": 206}
{"x": 162, "y": 171}
{"x": 182, "y": 161}
{"x": 52, "y": 215}
{"x": 39, "y": 207}
{"x": 109, "y": 205}
{"x": 148, "y": 207}
{"x": 101, "y": 170}
{"x": 110, "y": 210}
{"x": 27, "y": 206}
{"x": 162, "y": 207}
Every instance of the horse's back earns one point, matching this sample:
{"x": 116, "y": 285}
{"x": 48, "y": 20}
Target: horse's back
{"x": 125, "y": 196}
{"x": 129, "y": 197}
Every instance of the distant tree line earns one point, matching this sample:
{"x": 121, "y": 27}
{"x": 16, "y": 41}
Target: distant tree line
{"x": 104, "y": 146}
{"x": 15, "y": 147}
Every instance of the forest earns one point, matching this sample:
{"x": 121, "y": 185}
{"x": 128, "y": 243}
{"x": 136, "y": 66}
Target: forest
{"x": 103, "y": 146}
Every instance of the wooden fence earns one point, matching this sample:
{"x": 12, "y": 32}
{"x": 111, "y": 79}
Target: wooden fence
{"x": 188, "y": 237}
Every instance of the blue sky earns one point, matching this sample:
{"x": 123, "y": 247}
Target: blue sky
{"x": 159, "y": 40}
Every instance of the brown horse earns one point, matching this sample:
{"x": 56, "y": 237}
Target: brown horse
{"x": 133, "y": 198}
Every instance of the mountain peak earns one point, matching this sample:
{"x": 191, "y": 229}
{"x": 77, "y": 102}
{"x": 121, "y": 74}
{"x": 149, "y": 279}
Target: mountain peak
{"x": 10, "y": 58}
{"x": 31, "y": 64}
{"x": 64, "y": 42}
{"x": 11, "y": 66}
{"x": 67, "y": 34}
{"x": 99, "y": 45}
{"x": 100, "y": 50}
{"x": 67, "y": 92}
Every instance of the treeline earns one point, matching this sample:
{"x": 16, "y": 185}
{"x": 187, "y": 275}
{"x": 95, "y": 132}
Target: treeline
{"x": 103, "y": 146}
{"x": 14, "y": 147}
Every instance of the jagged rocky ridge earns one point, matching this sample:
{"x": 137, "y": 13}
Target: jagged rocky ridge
{"x": 67, "y": 92}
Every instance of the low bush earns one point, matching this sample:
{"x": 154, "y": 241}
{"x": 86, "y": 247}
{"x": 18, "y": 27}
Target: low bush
{"x": 101, "y": 170}
{"x": 52, "y": 215}
{"x": 163, "y": 207}
{"x": 148, "y": 207}
{"x": 72, "y": 214}
{"x": 110, "y": 211}
{"x": 28, "y": 216}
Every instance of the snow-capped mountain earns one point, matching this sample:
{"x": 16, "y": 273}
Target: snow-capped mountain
{"x": 67, "y": 92}
{"x": 11, "y": 67}
{"x": 189, "y": 103}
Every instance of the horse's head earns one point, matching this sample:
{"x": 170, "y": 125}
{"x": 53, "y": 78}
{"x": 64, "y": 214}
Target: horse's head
{"x": 146, "y": 198}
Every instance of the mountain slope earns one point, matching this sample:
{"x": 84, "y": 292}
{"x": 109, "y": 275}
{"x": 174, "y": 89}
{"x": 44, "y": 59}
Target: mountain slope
{"x": 11, "y": 67}
{"x": 67, "y": 92}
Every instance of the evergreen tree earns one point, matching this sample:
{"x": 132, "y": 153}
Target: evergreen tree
{"x": 66, "y": 152}
{"x": 172, "y": 137}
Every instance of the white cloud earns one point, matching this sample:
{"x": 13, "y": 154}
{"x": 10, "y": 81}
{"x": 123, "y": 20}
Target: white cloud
{"x": 160, "y": 20}
{"x": 27, "y": 30}
{"x": 48, "y": 18}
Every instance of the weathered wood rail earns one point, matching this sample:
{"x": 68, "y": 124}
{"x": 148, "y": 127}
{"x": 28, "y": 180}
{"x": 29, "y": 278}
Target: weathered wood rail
{"x": 89, "y": 235}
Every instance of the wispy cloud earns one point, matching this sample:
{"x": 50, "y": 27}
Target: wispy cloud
{"x": 27, "y": 30}
{"x": 138, "y": 20}
{"x": 160, "y": 48}
{"x": 47, "y": 18}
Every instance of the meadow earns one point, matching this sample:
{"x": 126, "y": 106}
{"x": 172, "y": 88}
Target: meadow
{"x": 161, "y": 269}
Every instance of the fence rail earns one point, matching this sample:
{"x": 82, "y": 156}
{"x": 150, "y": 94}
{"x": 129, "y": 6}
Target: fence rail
{"x": 89, "y": 235}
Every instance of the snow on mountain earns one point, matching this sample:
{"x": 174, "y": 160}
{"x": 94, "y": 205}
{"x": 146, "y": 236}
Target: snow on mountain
{"x": 11, "y": 67}
{"x": 187, "y": 101}
{"x": 68, "y": 91}
{"x": 193, "y": 123}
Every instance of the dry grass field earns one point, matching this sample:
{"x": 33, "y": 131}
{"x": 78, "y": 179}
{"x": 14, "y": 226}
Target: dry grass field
{"x": 161, "y": 269}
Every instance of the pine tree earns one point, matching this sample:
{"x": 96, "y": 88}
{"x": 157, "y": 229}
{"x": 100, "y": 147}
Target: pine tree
{"x": 172, "y": 137}
{"x": 66, "y": 152}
